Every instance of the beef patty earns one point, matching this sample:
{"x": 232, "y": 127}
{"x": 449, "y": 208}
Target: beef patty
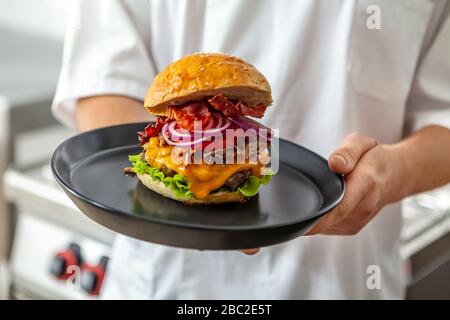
{"x": 237, "y": 179}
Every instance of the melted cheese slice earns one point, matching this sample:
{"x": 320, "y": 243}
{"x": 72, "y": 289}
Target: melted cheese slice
{"x": 203, "y": 178}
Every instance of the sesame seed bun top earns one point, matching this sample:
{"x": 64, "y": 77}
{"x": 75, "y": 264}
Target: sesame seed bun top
{"x": 202, "y": 75}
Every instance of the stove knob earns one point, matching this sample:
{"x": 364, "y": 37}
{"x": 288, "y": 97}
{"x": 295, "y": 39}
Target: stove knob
{"x": 92, "y": 276}
{"x": 65, "y": 258}
{"x": 58, "y": 266}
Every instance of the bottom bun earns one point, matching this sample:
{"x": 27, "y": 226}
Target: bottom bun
{"x": 212, "y": 198}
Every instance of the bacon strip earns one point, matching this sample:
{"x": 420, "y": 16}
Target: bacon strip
{"x": 256, "y": 112}
{"x": 151, "y": 130}
{"x": 222, "y": 104}
{"x": 188, "y": 114}
{"x": 230, "y": 109}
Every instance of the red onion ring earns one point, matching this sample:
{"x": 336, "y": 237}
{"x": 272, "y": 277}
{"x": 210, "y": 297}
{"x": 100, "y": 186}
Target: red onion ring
{"x": 216, "y": 125}
{"x": 213, "y": 126}
{"x": 178, "y": 133}
{"x": 209, "y": 124}
{"x": 180, "y": 144}
{"x": 219, "y": 127}
{"x": 246, "y": 123}
{"x": 217, "y": 115}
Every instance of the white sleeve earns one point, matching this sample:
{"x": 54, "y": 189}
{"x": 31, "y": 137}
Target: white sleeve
{"x": 429, "y": 101}
{"x": 106, "y": 51}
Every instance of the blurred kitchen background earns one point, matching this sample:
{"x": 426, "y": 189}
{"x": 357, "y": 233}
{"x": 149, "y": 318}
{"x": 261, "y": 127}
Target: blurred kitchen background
{"x": 41, "y": 232}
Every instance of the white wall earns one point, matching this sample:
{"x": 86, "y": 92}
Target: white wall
{"x": 42, "y": 17}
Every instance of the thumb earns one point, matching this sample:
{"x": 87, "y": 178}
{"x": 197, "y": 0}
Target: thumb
{"x": 344, "y": 159}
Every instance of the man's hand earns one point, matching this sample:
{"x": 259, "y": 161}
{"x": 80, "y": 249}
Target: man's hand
{"x": 374, "y": 176}
{"x": 377, "y": 175}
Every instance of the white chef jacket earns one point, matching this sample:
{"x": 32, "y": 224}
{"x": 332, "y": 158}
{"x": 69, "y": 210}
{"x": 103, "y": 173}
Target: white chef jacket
{"x": 330, "y": 75}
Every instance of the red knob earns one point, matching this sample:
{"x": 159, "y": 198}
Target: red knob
{"x": 64, "y": 259}
{"x": 92, "y": 276}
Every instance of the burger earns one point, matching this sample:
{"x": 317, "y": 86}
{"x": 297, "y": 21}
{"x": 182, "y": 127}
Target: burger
{"x": 204, "y": 147}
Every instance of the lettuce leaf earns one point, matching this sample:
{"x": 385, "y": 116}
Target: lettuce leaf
{"x": 177, "y": 183}
{"x": 265, "y": 179}
{"x": 251, "y": 187}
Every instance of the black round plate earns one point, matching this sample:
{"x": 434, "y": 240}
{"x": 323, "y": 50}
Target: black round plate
{"x": 89, "y": 167}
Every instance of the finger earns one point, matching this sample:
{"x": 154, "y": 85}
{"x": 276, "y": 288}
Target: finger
{"x": 347, "y": 227}
{"x": 331, "y": 218}
{"x": 356, "y": 220}
{"x": 344, "y": 159}
{"x": 250, "y": 251}
{"x": 357, "y": 189}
